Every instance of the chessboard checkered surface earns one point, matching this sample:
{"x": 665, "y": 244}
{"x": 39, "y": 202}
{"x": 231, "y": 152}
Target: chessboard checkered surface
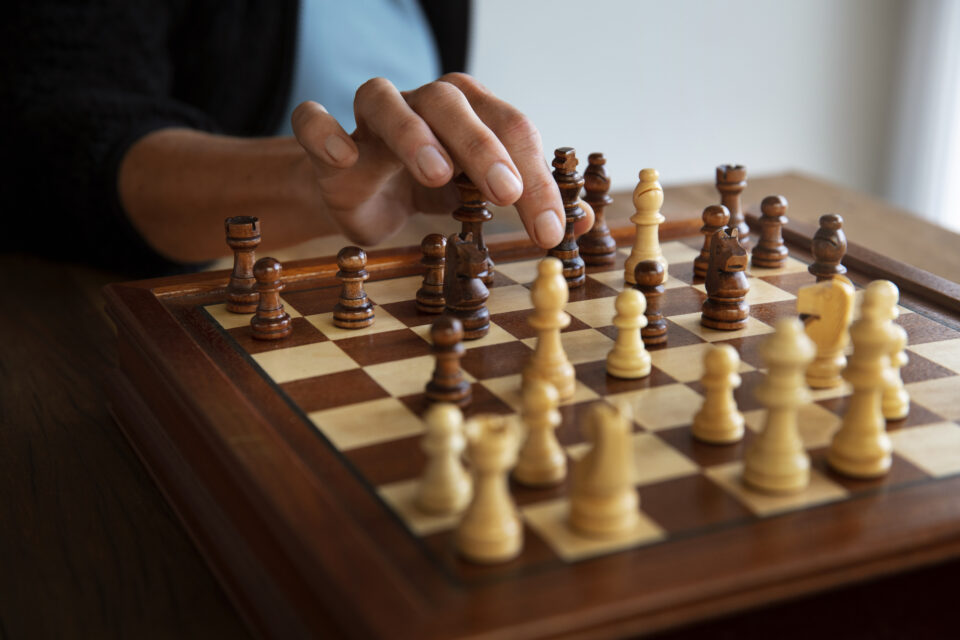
{"x": 362, "y": 391}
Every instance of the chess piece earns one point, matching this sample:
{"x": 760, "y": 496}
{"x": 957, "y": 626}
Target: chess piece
{"x": 719, "y": 421}
{"x": 827, "y": 309}
{"x": 445, "y": 487}
{"x": 770, "y": 252}
{"x": 603, "y": 497}
{"x": 270, "y": 322}
{"x": 861, "y": 448}
{"x": 715, "y": 218}
{"x": 353, "y": 310}
{"x": 570, "y": 183}
{"x": 628, "y": 358}
{"x": 471, "y": 214}
{"x": 828, "y": 247}
{"x": 725, "y": 307}
{"x": 549, "y": 362}
{"x": 597, "y": 246}
{"x": 731, "y": 181}
{"x": 647, "y": 200}
{"x": 649, "y": 277}
{"x": 243, "y": 237}
{"x": 777, "y": 461}
{"x": 491, "y": 530}
{"x": 430, "y": 294}
{"x": 895, "y": 401}
{"x": 447, "y": 383}
{"x": 463, "y": 290}
{"x": 542, "y": 461}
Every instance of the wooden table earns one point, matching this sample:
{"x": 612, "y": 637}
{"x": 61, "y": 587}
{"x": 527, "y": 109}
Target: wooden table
{"x": 89, "y": 547}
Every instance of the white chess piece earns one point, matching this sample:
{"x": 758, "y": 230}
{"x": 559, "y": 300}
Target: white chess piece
{"x": 719, "y": 421}
{"x": 491, "y": 530}
{"x": 629, "y": 358}
{"x": 603, "y": 497}
{"x": 861, "y": 448}
{"x": 647, "y": 200}
{"x": 542, "y": 461}
{"x": 896, "y": 400}
{"x": 549, "y": 362}
{"x": 777, "y": 461}
{"x": 829, "y": 307}
{"x": 445, "y": 487}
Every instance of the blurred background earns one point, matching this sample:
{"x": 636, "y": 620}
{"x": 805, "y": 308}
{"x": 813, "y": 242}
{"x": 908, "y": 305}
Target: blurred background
{"x": 864, "y": 93}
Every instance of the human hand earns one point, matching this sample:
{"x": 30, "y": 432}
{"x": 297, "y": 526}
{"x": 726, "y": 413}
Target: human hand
{"x": 407, "y": 147}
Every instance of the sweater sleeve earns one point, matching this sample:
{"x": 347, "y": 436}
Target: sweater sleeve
{"x": 84, "y": 81}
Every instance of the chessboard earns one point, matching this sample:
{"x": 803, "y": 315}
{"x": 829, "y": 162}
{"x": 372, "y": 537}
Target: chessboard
{"x": 294, "y": 463}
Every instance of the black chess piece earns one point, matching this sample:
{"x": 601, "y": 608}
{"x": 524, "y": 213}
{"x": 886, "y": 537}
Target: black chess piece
{"x": 448, "y": 383}
{"x": 353, "y": 311}
{"x": 770, "y": 252}
{"x": 597, "y": 246}
{"x": 828, "y": 248}
{"x": 430, "y": 293}
{"x": 270, "y": 322}
{"x": 650, "y": 276}
{"x": 463, "y": 290}
{"x": 570, "y": 183}
{"x": 715, "y": 217}
{"x": 725, "y": 307}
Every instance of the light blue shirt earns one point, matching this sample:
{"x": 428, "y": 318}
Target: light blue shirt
{"x": 343, "y": 43}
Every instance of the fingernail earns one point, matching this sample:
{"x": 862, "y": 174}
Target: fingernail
{"x": 337, "y": 147}
{"x": 503, "y": 183}
{"x": 432, "y": 163}
{"x": 548, "y": 228}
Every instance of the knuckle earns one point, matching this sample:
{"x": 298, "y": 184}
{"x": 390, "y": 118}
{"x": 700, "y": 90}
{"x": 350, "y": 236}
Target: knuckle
{"x": 374, "y": 89}
{"x": 481, "y": 144}
{"x": 519, "y": 130}
{"x": 538, "y": 188}
{"x": 407, "y": 127}
{"x": 442, "y": 94}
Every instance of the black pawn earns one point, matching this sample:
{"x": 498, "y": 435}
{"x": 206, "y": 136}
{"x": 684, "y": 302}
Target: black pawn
{"x": 650, "y": 276}
{"x": 828, "y": 248}
{"x": 270, "y": 322}
{"x": 570, "y": 183}
{"x": 770, "y": 252}
{"x": 715, "y": 218}
{"x": 448, "y": 383}
{"x": 430, "y": 294}
{"x": 354, "y": 310}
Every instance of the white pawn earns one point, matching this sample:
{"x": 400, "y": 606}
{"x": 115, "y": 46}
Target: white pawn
{"x": 445, "y": 487}
{"x": 491, "y": 530}
{"x": 647, "y": 200}
{"x": 719, "y": 421}
{"x": 777, "y": 461}
{"x": 629, "y": 358}
{"x": 861, "y": 448}
{"x": 896, "y": 400}
{"x": 542, "y": 461}
{"x": 549, "y": 362}
{"x": 603, "y": 498}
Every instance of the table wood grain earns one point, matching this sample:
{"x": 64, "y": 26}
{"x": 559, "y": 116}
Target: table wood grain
{"x": 89, "y": 548}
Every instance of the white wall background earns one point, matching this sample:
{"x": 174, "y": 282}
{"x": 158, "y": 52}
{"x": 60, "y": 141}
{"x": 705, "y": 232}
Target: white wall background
{"x": 685, "y": 85}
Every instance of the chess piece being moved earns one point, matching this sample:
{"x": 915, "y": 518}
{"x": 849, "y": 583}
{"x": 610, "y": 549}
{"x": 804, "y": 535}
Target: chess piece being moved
{"x": 828, "y": 247}
{"x": 570, "y": 183}
{"x": 430, "y": 294}
{"x": 353, "y": 310}
{"x": 270, "y": 322}
{"x": 549, "y": 362}
{"x": 731, "y": 181}
{"x": 445, "y": 487}
{"x": 826, "y": 309}
{"x": 647, "y": 200}
{"x": 715, "y": 218}
{"x": 597, "y": 246}
{"x": 770, "y": 252}
{"x": 725, "y": 307}
{"x": 861, "y": 448}
{"x": 896, "y": 401}
{"x": 491, "y": 530}
{"x": 243, "y": 237}
{"x": 777, "y": 461}
{"x": 719, "y": 421}
{"x": 448, "y": 383}
{"x": 603, "y": 496}
{"x": 629, "y": 359}
{"x": 463, "y": 290}
{"x": 471, "y": 214}
{"x": 649, "y": 277}
{"x": 542, "y": 462}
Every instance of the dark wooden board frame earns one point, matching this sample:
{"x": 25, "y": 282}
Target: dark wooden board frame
{"x": 304, "y": 549}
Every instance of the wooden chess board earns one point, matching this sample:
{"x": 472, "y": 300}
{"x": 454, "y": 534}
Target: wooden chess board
{"x": 293, "y": 463}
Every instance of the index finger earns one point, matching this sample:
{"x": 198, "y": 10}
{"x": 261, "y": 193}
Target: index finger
{"x": 539, "y": 205}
